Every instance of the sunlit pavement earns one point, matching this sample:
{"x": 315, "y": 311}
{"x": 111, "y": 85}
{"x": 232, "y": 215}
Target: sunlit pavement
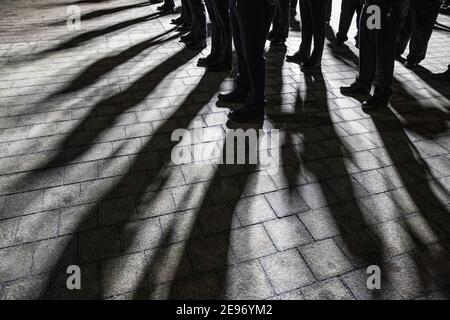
{"x": 86, "y": 176}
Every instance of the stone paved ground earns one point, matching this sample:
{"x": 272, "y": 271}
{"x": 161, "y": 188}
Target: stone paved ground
{"x": 86, "y": 176}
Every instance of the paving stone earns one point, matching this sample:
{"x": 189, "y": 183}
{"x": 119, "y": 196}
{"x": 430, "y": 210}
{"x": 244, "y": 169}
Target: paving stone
{"x": 325, "y": 259}
{"x": 25, "y": 289}
{"x": 254, "y": 210}
{"x": 22, "y": 204}
{"x": 393, "y": 239}
{"x": 356, "y": 281}
{"x": 16, "y": 262}
{"x": 180, "y": 226}
{"x": 53, "y": 253}
{"x": 8, "y": 229}
{"x": 154, "y": 204}
{"x": 286, "y": 202}
{"x": 407, "y": 279}
{"x": 287, "y": 271}
{"x": 167, "y": 264}
{"x": 251, "y": 242}
{"x": 99, "y": 244}
{"x": 123, "y": 274}
{"x": 77, "y": 219}
{"x": 317, "y": 195}
{"x": 373, "y": 181}
{"x": 140, "y": 235}
{"x": 331, "y": 289}
{"x": 287, "y": 232}
{"x": 117, "y": 210}
{"x": 322, "y": 223}
{"x": 211, "y": 253}
{"x": 37, "y": 227}
{"x": 247, "y": 281}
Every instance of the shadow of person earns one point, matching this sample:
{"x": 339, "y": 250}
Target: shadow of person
{"x": 338, "y": 199}
{"x": 103, "y": 241}
{"x": 423, "y": 194}
{"x": 101, "y": 67}
{"x": 211, "y": 253}
{"x": 103, "y": 12}
{"x": 425, "y": 75}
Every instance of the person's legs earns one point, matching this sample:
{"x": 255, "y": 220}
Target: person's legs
{"x": 329, "y": 9}
{"x": 215, "y": 43}
{"x": 307, "y": 28}
{"x": 367, "y": 58}
{"x": 254, "y": 28}
{"x": 392, "y": 21}
{"x": 223, "y": 13}
{"x": 405, "y": 34}
{"x": 198, "y": 25}
{"x": 239, "y": 94}
{"x": 281, "y": 21}
{"x": 348, "y": 9}
{"x": 304, "y": 51}
{"x": 425, "y": 13}
{"x": 319, "y": 12}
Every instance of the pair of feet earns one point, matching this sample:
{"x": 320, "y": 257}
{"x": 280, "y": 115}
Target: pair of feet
{"x": 358, "y": 88}
{"x": 192, "y": 43}
{"x": 214, "y": 65}
{"x": 305, "y": 62}
{"x": 244, "y": 114}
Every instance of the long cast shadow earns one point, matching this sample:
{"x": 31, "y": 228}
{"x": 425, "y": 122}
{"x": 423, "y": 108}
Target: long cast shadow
{"x": 102, "y": 249}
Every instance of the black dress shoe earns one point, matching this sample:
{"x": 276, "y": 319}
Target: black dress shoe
{"x": 178, "y": 21}
{"x": 235, "y": 96}
{"x": 375, "y": 103}
{"x": 297, "y": 57}
{"x": 219, "y": 67}
{"x": 206, "y": 61}
{"x": 196, "y": 45}
{"x": 411, "y": 64}
{"x": 166, "y": 9}
{"x": 184, "y": 28}
{"x": 187, "y": 38}
{"x": 246, "y": 115}
{"x": 357, "y": 87}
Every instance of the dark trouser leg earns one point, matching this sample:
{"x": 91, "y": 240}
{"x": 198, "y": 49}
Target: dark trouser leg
{"x": 186, "y": 12}
{"x": 386, "y": 45}
{"x": 198, "y": 20}
{"x": 242, "y": 80}
{"x": 215, "y": 43}
{"x": 329, "y": 9}
{"x": 254, "y": 28}
{"x": 367, "y": 45}
{"x": 225, "y": 52}
{"x": 348, "y": 9}
{"x": 293, "y": 6}
{"x": 319, "y": 9}
{"x": 405, "y": 35}
{"x": 425, "y": 13}
{"x": 307, "y": 28}
{"x": 281, "y": 19}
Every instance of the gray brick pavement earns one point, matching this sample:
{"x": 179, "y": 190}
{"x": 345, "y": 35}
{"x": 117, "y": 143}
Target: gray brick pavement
{"x": 86, "y": 176}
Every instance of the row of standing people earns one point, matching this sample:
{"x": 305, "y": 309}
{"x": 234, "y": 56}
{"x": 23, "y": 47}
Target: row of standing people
{"x": 247, "y": 23}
